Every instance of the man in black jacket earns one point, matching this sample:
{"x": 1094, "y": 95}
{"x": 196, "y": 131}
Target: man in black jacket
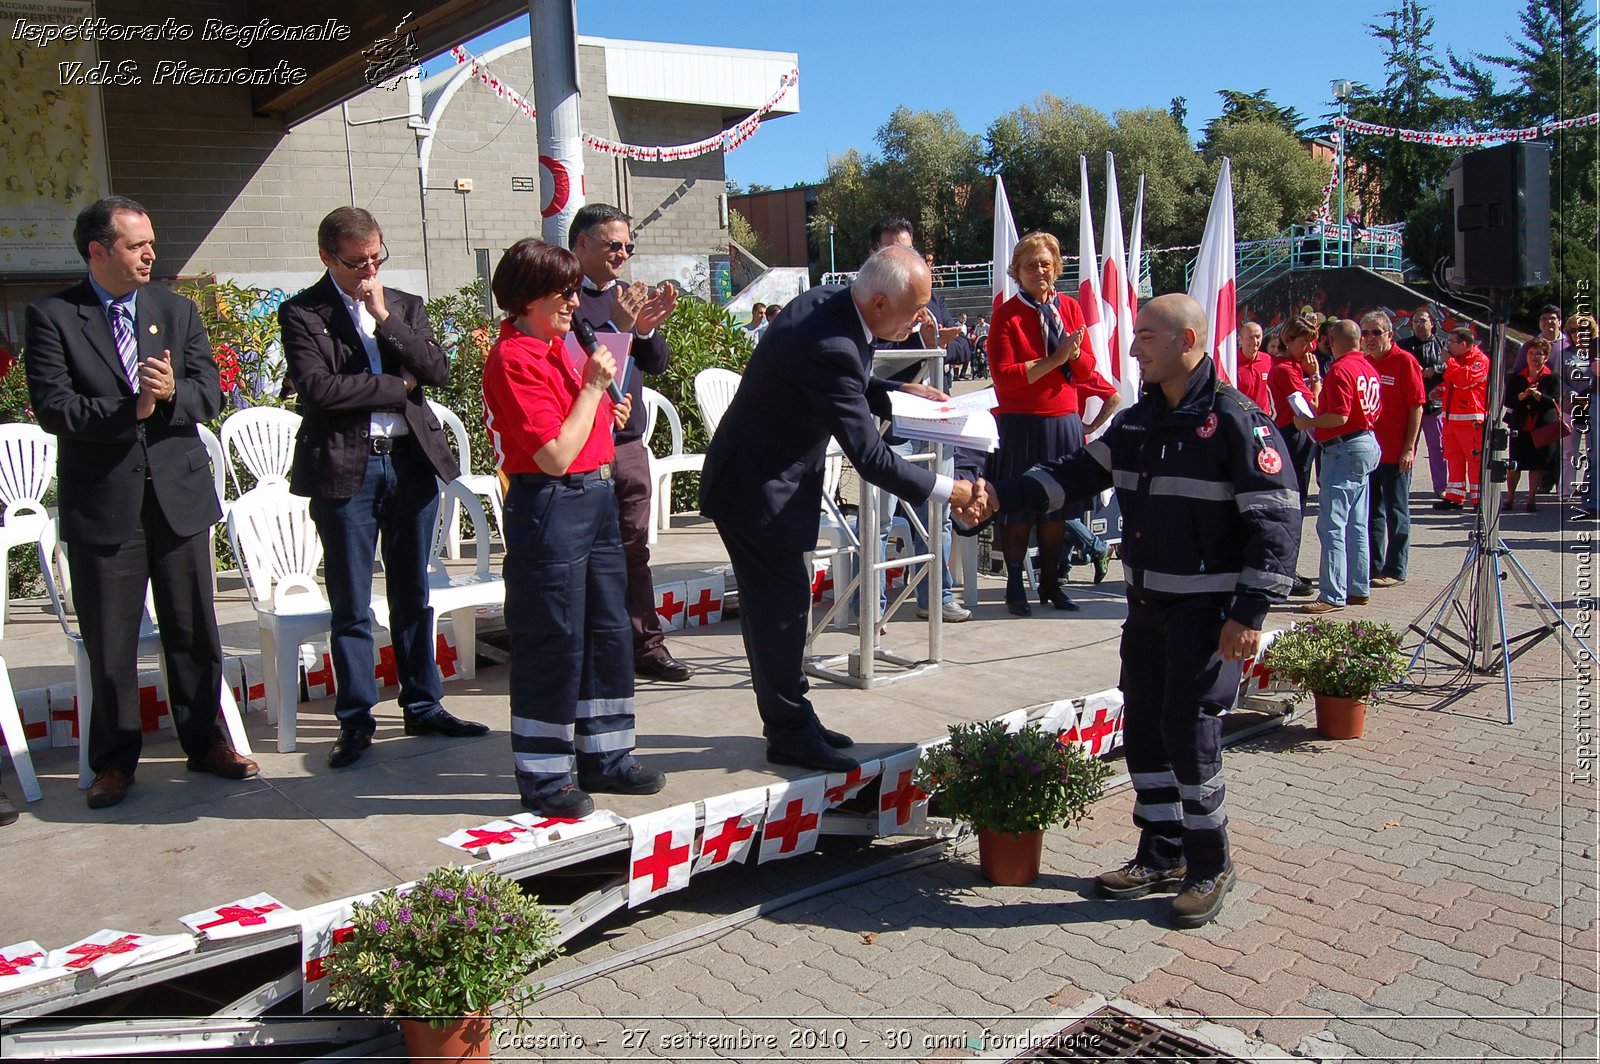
{"x": 1211, "y": 532}
{"x": 121, "y": 373}
{"x": 1428, "y": 346}
{"x": 367, "y": 456}
{"x": 807, "y": 381}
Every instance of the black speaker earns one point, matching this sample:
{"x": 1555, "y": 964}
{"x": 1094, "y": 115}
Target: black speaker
{"x": 1500, "y": 208}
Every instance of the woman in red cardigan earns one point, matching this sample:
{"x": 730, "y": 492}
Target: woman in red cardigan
{"x": 1038, "y": 355}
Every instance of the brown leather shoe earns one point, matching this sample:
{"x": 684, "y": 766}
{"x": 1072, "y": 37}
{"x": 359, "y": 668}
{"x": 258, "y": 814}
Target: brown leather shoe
{"x": 220, "y": 760}
{"x": 109, "y": 788}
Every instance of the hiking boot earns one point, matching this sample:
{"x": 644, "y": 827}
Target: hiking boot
{"x": 1102, "y": 565}
{"x": 636, "y": 780}
{"x": 1200, "y": 900}
{"x": 568, "y": 802}
{"x": 1302, "y": 587}
{"x": 1134, "y": 880}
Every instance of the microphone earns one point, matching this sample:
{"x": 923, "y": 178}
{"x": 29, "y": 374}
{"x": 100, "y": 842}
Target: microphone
{"x": 585, "y": 334}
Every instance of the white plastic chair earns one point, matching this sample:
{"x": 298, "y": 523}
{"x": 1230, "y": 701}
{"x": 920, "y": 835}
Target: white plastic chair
{"x": 278, "y": 550}
{"x": 713, "y": 391}
{"x": 664, "y": 467}
{"x": 219, "y": 483}
{"x": 149, "y": 646}
{"x": 27, "y": 466}
{"x": 484, "y": 484}
{"x": 16, "y": 741}
{"x": 261, "y": 437}
{"x": 459, "y": 596}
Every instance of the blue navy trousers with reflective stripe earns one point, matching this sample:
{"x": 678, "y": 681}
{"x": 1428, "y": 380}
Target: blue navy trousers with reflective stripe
{"x": 1175, "y": 689}
{"x": 571, "y": 638}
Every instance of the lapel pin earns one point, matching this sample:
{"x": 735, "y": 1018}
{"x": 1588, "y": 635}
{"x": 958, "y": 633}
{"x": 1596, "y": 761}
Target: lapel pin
{"x": 153, "y": 330}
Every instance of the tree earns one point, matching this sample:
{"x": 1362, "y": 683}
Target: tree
{"x": 1036, "y": 148}
{"x": 1239, "y": 108}
{"x": 1152, "y": 142}
{"x": 1276, "y": 182}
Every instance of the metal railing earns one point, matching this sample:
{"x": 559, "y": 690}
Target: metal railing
{"x": 1305, "y": 247}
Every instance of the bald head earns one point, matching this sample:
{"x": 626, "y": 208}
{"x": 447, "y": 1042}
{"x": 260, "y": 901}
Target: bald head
{"x": 1169, "y": 340}
{"x": 1343, "y": 337}
{"x": 891, "y": 290}
{"x": 1179, "y": 311}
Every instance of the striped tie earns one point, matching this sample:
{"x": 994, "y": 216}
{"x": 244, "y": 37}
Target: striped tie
{"x": 127, "y": 344}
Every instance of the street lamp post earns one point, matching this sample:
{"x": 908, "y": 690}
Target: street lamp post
{"x": 1341, "y": 92}
{"x": 830, "y": 248}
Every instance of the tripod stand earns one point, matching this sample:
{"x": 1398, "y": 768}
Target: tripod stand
{"x": 1482, "y": 643}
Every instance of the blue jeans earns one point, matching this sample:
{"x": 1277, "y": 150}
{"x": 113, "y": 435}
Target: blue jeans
{"x": 1347, "y": 462}
{"x": 1080, "y": 537}
{"x": 397, "y": 504}
{"x": 1389, "y": 525}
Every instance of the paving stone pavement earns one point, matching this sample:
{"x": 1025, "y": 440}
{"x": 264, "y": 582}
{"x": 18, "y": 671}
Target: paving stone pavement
{"x": 1427, "y": 892}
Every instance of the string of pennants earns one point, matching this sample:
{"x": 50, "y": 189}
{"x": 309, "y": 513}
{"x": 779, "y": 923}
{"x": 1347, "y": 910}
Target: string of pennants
{"x": 1465, "y": 140}
{"x": 726, "y": 141}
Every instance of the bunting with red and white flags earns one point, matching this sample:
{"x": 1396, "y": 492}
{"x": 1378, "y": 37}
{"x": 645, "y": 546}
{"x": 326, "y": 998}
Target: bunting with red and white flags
{"x": 1214, "y": 283}
{"x": 732, "y": 821}
{"x": 663, "y": 853}
{"x": 1005, "y": 243}
{"x": 902, "y": 805}
{"x": 1089, "y": 266}
{"x": 248, "y": 916}
{"x": 105, "y": 952}
{"x": 1116, "y": 290}
{"x": 843, "y": 786}
{"x": 23, "y": 964}
{"x": 794, "y": 818}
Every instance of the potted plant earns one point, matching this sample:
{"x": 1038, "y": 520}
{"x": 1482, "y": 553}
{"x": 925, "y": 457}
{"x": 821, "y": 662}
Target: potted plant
{"x": 1010, "y": 786}
{"x": 439, "y": 955}
{"x": 1342, "y": 664}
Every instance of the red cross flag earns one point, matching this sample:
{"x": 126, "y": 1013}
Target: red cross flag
{"x": 105, "y": 952}
{"x": 1062, "y": 714}
{"x": 821, "y": 581}
{"x": 902, "y": 805}
{"x": 322, "y": 928}
{"x": 546, "y": 829}
{"x": 1004, "y": 243}
{"x": 1213, "y": 284}
{"x": 22, "y": 964}
{"x": 670, "y": 605}
{"x": 732, "y": 821}
{"x": 794, "y": 817}
{"x": 492, "y": 841}
{"x": 247, "y": 916}
{"x": 843, "y": 786}
{"x": 1099, "y": 727}
{"x": 1256, "y": 677}
{"x": 704, "y": 600}
{"x": 319, "y": 674}
{"x": 663, "y": 853}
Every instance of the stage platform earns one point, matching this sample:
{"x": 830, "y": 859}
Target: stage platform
{"x": 308, "y": 835}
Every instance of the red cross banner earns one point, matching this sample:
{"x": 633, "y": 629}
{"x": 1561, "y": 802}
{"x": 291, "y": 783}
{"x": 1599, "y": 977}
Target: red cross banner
{"x": 842, "y": 786}
{"x": 821, "y": 581}
{"x": 494, "y": 840}
{"x": 322, "y": 928}
{"x": 1099, "y": 726}
{"x": 670, "y": 605}
{"x": 105, "y": 952}
{"x": 544, "y": 829}
{"x": 704, "y": 601}
{"x": 1061, "y": 716}
{"x": 319, "y": 675}
{"x": 22, "y": 964}
{"x": 794, "y": 819}
{"x": 1256, "y": 677}
{"x": 663, "y": 853}
{"x": 248, "y": 916}
{"x": 732, "y": 821}
{"x": 902, "y": 805}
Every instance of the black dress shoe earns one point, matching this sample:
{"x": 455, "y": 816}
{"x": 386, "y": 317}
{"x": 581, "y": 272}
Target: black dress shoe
{"x": 8, "y": 812}
{"x": 440, "y": 721}
{"x": 812, "y": 753}
{"x": 636, "y": 780}
{"x": 1302, "y": 587}
{"x": 666, "y": 667}
{"x": 348, "y": 746}
{"x": 1054, "y": 596}
{"x": 837, "y": 740}
{"x": 1019, "y": 607}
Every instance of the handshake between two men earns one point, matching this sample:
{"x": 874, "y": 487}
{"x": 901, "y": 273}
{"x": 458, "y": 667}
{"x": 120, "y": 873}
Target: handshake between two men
{"x": 971, "y": 503}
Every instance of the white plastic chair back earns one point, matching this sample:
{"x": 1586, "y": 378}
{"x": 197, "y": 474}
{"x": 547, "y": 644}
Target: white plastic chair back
{"x": 262, "y": 438}
{"x": 278, "y": 549}
{"x": 656, "y": 404}
{"x": 219, "y": 464}
{"x": 713, "y": 391}
{"x": 27, "y": 466}
{"x": 457, "y": 494}
{"x": 458, "y": 432}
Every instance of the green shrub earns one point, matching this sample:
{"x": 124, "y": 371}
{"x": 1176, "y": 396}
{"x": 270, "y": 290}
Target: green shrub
{"x": 701, "y": 335}
{"x": 1011, "y": 781}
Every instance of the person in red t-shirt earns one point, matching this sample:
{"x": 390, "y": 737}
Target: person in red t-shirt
{"x": 551, "y": 421}
{"x": 1253, "y": 366}
{"x": 1399, "y": 423}
{"x": 1294, "y": 385}
{"x": 1346, "y": 413}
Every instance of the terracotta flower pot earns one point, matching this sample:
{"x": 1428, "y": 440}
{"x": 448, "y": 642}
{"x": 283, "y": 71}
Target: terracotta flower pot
{"x": 1340, "y": 718}
{"x": 464, "y": 1039}
{"x": 1009, "y": 860}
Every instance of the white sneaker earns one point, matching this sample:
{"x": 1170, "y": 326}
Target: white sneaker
{"x": 951, "y": 613}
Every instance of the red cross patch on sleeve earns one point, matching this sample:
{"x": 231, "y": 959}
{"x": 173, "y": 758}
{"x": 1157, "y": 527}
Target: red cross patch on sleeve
{"x": 1209, "y": 428}
{"x": 1269, "y": 461}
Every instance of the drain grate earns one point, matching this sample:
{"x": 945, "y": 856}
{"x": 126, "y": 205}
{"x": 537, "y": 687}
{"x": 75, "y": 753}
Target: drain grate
{"x": 1111, "y": 1034}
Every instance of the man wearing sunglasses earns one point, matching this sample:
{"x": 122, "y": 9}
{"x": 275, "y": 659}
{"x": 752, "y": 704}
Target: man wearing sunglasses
{"x": 367, "y": 456}
{"x": 602, "y": 240}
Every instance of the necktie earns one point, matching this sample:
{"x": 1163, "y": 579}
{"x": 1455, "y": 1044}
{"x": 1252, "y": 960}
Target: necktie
{"x": 127, "y": 344}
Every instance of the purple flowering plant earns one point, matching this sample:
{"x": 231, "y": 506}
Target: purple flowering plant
{"x": 1345, "y": 659}
{"x": 456, "y": 942}
{"x": 1013, "y": 782}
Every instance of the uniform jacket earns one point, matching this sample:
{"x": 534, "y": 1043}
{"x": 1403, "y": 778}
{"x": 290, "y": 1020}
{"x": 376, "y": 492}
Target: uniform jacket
{"x": 1466, "y": 386}
{"x": 80, "y": 392}
{"x": 1208, "y": 496}
{"x": 338, "y": 393}
{"x": 807, "y": 381}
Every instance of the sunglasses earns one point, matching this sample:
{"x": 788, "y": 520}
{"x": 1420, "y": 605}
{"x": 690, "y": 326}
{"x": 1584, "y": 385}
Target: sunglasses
{"x": 383, "y": 257}
{"x": 567, "y": 294}
{"x": 614, "y": 246}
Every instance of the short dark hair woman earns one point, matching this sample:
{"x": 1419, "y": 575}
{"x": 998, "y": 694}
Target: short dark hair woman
{"x": 551, "y": 420}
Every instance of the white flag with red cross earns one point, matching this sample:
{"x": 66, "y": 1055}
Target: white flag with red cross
{"x": 902, "y": 805}
{"x": 1116, "y": 289}
{"x": 247, "y": 916}
{"x": 23, "y": 964}
{"x": 732, "y": 821}
{"x": 546, "y": 829}
{"x": 1004, "y": 244}
{"x": 670, "y": 605}
{"x": 1099, "y": 726}
{"x": 319, "y": 671}
{"x": 662, "y": 858}
{"x": 821, "y": 580}
{"x": 494, "y": 840}
{"x": 703, "y": 604}
{"x": 1256, "y": 677}
{"x": 322, "y": 928}
{"x": 108, "y": 951}
{"x": 1214, "y": 282}
{"x": 1062, "y": 714}
{"x": 794, "y": 818}
{"x": 843, "y": 786}
{"x": 1089, "y": 300}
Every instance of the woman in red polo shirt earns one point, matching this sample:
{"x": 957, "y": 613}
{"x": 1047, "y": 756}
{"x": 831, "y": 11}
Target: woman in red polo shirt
{"x": 551, "y": 422}
{"x": 1038, "y": 355}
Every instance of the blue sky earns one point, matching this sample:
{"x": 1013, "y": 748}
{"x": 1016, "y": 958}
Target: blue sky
{"x": 860, "y": 60}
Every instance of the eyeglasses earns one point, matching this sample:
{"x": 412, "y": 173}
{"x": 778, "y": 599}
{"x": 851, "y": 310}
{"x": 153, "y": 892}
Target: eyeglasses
{"x": 1374, "y": 332}
{"x": 614, "y": 246}
{"x": 361, "y": 264}
{"x": 567, "y": 294}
